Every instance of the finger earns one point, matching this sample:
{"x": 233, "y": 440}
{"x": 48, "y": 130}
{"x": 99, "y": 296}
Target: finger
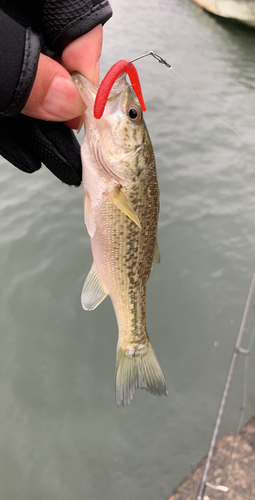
{"x": 54, "y": 95}
{"x": 75, "y": 123}
{"x": 84, "y": 53}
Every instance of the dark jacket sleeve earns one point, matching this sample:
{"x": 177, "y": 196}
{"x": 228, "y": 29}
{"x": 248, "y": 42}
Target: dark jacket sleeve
{"x": 19, "y": 53}
{"x": 66, "y": 20}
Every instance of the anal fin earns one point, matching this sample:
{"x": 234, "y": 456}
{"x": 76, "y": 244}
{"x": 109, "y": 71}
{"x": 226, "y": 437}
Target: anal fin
{"x": 93, "y": 292}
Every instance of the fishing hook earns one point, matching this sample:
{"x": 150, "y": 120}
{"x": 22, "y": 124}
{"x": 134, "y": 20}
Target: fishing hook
{"x": 156, "y": 56}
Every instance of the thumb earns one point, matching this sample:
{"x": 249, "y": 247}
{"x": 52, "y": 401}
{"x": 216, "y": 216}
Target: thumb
{"x": 83, "y": 54}
{"x": 54, "y": 96}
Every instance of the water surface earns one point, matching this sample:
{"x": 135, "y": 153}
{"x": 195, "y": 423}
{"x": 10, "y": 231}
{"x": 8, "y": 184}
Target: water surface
{"x": 62, "y": 436}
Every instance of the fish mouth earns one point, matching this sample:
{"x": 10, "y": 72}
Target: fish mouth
{"x": 127, "y": 158}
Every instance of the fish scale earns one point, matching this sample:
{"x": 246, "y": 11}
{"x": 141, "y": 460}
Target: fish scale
{"x": 121, "y": 218}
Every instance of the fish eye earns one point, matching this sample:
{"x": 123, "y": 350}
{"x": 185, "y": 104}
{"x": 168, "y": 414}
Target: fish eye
{"x": 134, "y": 113}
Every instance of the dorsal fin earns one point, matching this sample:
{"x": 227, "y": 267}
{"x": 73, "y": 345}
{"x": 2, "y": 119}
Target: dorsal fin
{"x": 156, "y": 256}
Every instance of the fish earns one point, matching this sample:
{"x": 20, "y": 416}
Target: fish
{"x": 121, "y": 205}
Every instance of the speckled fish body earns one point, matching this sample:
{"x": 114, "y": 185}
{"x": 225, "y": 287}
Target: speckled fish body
{"x": 121, "y": 203}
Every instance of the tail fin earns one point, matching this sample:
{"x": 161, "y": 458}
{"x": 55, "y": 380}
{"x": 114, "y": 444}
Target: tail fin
{"x": 140, "y": 369}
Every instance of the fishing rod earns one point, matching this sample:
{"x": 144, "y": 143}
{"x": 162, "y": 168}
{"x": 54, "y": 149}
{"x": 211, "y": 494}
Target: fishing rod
{"x": 237, "y": 350}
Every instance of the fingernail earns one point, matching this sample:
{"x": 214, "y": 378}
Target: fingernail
{"x": 62, "y": 99}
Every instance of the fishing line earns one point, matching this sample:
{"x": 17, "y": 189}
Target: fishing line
{"x": 210, "y": 112}
{"x": 237, "y": 350}
{"x": 163, "y": 61}
{"x": 242, "y": 35}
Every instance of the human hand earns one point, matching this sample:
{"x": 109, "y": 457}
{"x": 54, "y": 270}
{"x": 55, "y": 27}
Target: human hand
{"x": 54, "y": 95}
{"x": 54, "y": 98}
{"x": 33, "y": 122}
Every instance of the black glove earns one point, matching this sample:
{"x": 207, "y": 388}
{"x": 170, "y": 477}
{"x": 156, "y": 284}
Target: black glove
{"x": 24, "y": 141}
{"x": 27, "y": 142}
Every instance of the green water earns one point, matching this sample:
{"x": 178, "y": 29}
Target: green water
{"x": 61, "y": 435}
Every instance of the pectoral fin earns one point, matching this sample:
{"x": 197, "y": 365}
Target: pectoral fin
{"x": 88, "y": 216}
{"x": 156, "y": 256}
{"x": 93, "y": 292}
{"x": 122, "y": 203}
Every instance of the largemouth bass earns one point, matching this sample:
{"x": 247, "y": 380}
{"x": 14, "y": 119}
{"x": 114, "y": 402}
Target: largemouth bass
{"x": 121, "y": 203}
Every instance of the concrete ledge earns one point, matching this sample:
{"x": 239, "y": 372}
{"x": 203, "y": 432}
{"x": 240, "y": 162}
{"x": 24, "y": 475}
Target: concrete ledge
{"x": 232, "y": 465}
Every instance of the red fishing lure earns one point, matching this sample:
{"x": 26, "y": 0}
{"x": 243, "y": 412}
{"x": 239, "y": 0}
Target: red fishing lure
{"x": 105, "y": 87}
